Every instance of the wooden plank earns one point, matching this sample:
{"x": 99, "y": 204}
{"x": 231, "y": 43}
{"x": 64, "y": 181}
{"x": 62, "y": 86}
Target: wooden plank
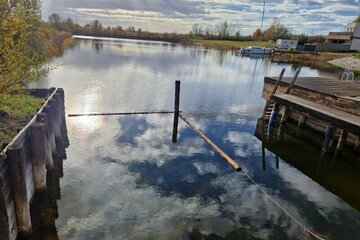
{"x": 339, "y": 118}
{"x": 323, "y": 85}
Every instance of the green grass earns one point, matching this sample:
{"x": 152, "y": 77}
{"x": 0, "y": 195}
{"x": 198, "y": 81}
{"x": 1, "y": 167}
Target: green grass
{"x": 20, "y": 105}
{"x": 225, "y": 44}
{"x": 16, "y": 111}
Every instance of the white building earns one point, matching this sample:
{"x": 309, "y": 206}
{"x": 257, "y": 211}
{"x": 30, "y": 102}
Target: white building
{"x": 351, "y": 37}
{"x": 286, "y": 43}
{"x": 354, "y": 28}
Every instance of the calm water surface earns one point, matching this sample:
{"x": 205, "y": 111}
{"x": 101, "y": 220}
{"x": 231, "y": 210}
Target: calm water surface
{"x": 125, "y": 179}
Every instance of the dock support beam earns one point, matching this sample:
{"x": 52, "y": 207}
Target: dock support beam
{"x": 357, "y": 144}
{"x": 16, "y": 159}
{"x": 41, "y": 117}
{"x": 38, "y": 155}
{"x": 285, "y": 115}
{"x": 177, "y": 111}
{"x": 329, "y": 135}
{"x": 342, "y": 140}
{"x": 302, "y": 120}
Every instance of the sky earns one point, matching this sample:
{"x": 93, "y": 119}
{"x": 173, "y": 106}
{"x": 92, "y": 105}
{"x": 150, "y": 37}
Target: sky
{"x": 300, "y": 16}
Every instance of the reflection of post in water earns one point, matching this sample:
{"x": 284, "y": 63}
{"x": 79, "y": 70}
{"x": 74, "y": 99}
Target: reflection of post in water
{"x": 263, "y": 156}
{"x": 177, "y": 109}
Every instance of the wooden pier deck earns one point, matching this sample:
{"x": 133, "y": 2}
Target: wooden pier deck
{"x": 326, "y": 86}
{"x": 339, "y": 118}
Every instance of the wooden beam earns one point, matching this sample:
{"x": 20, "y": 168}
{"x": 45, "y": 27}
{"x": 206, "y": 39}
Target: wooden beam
{"x": 232, "y": 163}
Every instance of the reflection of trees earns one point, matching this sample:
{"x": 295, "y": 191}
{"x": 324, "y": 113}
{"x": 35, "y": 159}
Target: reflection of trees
{"x": 220, "y": 56}
{"x": 97, "y": 45}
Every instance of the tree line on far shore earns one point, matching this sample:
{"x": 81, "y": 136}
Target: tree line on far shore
{"x": 221, "y": 31}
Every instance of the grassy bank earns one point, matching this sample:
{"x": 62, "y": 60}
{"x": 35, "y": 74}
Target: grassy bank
{"x": 17, "y": 108}
{"x": 228, "y": 45}
{"x": 15, "y": 111}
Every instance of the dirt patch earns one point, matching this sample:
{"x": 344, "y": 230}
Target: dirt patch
{"x": 350, "y": 63}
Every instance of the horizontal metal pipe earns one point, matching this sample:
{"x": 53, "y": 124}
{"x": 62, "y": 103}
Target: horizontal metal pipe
{"x": 118, "y": 114}
{"x": 233, "y": 164}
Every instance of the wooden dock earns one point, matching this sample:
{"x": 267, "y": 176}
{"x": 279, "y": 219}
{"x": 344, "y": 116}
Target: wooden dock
{"x": 339, "y": 118}
{"x": 325, "y": 103}
{"x": 340, "y": 95}
{"x": 326, "y": 86}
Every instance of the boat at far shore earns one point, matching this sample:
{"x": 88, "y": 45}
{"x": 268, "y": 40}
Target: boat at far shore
{"x": 253, "y": 50}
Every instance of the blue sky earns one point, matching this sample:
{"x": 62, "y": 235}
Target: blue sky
{"x": 309, "y": 16}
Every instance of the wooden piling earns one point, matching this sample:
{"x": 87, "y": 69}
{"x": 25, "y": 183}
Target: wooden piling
{"x": 18, "y": 183}
{"x": 49, "y": 119}
{"x": 285, "y": 116}
{"x": 342, "y": 140}
{"x": 177, "y": 96}
{"x": 302, "y": 120}
{"x": 357, "y": 144}
{"x": 4, "y": 216}
{"x": 38, "y": 154}
{"x": 41, "y": 117}
{"x": 176, "y": 111}
{"x": 55, "y": 119}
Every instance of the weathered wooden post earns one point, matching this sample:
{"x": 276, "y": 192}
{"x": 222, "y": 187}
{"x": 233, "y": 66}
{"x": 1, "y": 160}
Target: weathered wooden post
{"x": 342, "y": 140}
{"x": 357, "y": 144}
{"x": 38, "y": 154}
{"x": 4, "y": 216}
{"x": 18, "y": 184}
{"x": 329, "y": 135}
{"x": 177, "y": 110}
{"x": 63, "y": 127}
{"x": 302, "y": 120}
{"x": 41, "y": 117}
{"x": 285, "y": 116}
{"x": 55, "y": 119}
{"x": 49, "y": 117}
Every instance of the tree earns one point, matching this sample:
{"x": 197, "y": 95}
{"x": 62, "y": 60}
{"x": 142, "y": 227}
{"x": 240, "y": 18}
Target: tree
{"x": 276, "y": 31}
{"x": 21, "y": 47}
{"x": 256, "y": 35}
{"x": 196, "y": 30}
{"x": 55, "y": 20}
{"x": 357, "y": 19}
{"x": 223, "y": 29}
{"x": 96, "y": 26}
{"x": 302, "y": 39}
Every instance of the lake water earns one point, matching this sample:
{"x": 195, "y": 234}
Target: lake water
{"x": 125, "y": 179}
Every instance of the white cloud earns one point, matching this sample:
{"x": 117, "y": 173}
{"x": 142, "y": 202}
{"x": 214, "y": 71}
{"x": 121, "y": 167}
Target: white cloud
{"x": 311, "y": 16}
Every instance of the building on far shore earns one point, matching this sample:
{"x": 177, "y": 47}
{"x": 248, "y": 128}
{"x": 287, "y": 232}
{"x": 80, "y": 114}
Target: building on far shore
{"x": 286, "y": 43}
{"x": 349, "y": 39}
